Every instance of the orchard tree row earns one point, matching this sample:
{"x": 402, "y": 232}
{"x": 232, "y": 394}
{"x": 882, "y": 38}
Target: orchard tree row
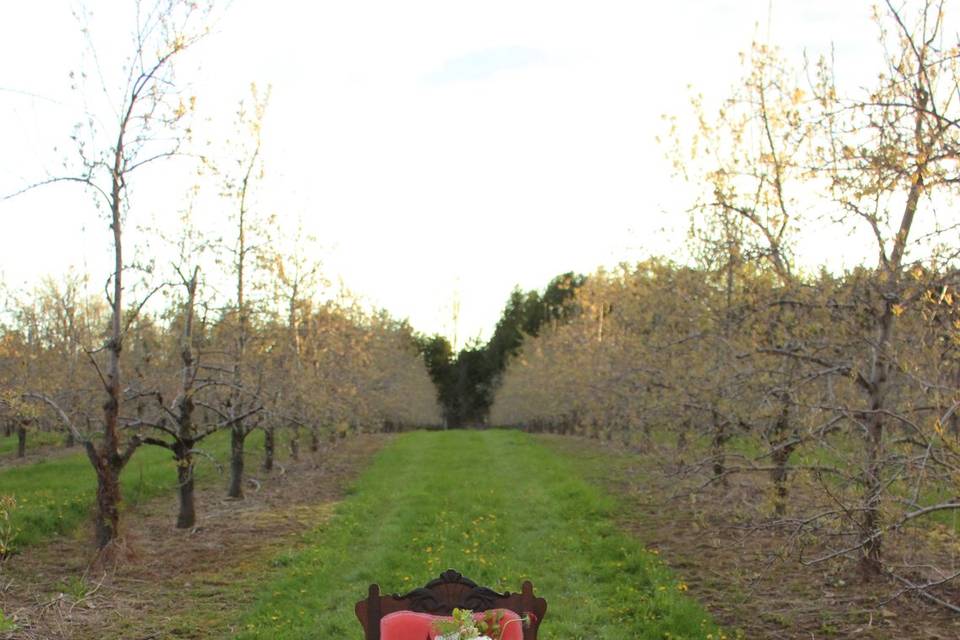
{"x": 319, "y": 370}
{"x": 200, "y": 332}
{"x": 853, "y": 379}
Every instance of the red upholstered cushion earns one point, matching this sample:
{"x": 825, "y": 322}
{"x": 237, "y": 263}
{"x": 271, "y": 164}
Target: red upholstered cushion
{"x": 410, "y": 625}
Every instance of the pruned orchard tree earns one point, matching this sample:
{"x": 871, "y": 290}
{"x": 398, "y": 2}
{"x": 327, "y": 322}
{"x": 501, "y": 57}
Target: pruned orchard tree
{"x": 243, "y": 398}
{"x": 890, "y": 156}
{"x": 177, "y": 384}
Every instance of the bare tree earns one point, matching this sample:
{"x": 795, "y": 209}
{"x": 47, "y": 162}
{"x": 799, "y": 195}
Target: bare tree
{"x": 243, "y": 399}
{"x": 888, "y": 156}
{"x": 185, "y": 434}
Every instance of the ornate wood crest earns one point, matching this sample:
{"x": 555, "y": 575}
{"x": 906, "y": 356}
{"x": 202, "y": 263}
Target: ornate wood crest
{"x": 451, "y": 590}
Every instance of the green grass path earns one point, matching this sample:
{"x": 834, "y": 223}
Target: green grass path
{"x": 495, "y": 505}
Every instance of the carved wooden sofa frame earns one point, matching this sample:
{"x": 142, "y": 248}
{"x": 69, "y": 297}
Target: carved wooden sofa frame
{"x": 440, "y": 596}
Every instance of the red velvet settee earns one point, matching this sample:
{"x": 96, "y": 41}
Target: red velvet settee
{"x": 410, "y": 616}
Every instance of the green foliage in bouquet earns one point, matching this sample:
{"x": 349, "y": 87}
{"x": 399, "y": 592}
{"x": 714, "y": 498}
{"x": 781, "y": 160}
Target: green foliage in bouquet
{"x": 464, "y": 626}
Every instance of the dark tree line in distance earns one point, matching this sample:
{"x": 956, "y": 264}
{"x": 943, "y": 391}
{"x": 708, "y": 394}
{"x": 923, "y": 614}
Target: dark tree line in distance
{"x": 466, "y": 381}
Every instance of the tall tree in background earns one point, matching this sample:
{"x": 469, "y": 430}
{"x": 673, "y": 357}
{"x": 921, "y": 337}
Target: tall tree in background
{"x": 437, "y": 354}
{"x": 525, "y": 313}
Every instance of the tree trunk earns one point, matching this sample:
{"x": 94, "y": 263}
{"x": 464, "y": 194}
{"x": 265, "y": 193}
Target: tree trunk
{"x": 187, "y": 516}
{"x": 870, "y": 532}
{"x": 69, "y": 440}
{"x": 269, "y": 446}
{"x": 21, "y": 441}
{"x": 107, "y": 463}
{"x": 781, "y": 458}
{"x": 108, "y": 460}
{"x": 718, "y": 447}
{"x": 314, "y": 441}
{"x": 955, "y": 418}
{"x": 295, "y": 444}
{"x": 871, "y": 561}
{"x": 107, "y": 520}
{"x": 237, "y": 437}
{"x": 183, "y": 448}
{"x": 871, "y": 522}
{"x": 682, "y": 436}
{"x": 108, "y": 506}
{"x": 646, "y": 440}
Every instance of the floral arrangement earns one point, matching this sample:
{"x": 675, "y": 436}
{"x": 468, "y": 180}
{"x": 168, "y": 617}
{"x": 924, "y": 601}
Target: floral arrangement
{"x": 464, "y": 626}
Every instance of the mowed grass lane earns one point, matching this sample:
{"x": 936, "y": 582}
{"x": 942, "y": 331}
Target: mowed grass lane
{"x": 500, "y": 508}
{"x": 56, "y": 496}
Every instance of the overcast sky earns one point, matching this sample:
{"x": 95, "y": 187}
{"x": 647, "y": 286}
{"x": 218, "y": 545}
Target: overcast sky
{"x": 434, "y": 149}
